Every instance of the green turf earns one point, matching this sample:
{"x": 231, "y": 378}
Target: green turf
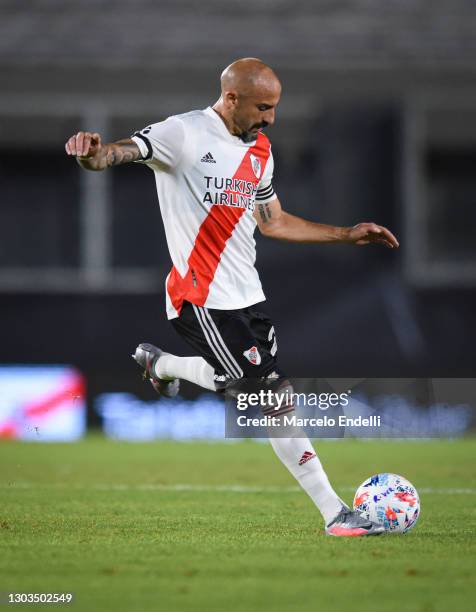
{"x": 102, "y": 519}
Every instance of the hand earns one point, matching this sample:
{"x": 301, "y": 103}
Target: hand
{"x": 364, "y": 233}
{"x": 84, "y": 145}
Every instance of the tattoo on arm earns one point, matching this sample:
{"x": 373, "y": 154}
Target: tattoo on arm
{"x": 113, "y": 154}
{"x": 264, "y": 212}
{"x": 122, "y": 152}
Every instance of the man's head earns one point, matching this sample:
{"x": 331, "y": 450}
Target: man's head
{"x": 250, "y": 92}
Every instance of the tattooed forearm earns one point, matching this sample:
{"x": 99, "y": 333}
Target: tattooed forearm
{"x": 264, "y": 212}
{"x": 122, "y": 152}
{"x": 113, "y": 154}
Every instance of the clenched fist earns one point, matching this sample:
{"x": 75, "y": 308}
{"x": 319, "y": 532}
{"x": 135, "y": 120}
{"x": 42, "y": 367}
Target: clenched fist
{"x": 84, "y": 144}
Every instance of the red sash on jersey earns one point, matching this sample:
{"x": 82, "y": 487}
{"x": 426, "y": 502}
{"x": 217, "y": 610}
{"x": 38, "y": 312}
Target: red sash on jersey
{"x": 212, "y": 236}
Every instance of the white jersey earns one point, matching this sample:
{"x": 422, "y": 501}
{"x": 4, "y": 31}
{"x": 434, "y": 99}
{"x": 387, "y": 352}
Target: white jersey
{"x": 207, "y": 182}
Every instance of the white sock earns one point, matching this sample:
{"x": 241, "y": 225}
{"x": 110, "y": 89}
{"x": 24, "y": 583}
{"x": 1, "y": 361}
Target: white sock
{"x": 310, "y": 474}
{"x": 291, "y": 451}
{"x": 193, "y": 369}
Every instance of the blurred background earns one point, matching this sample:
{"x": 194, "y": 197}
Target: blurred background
{"x": 377, "y": 122}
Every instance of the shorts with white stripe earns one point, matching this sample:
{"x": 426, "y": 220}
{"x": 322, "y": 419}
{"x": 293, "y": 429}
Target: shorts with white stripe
{"x": 236, "y": 343}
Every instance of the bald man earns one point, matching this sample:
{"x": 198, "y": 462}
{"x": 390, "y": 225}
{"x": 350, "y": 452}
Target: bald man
{"x": 213, "y": 170}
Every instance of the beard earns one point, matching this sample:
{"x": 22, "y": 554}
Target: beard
{"x": 249, "y": 136}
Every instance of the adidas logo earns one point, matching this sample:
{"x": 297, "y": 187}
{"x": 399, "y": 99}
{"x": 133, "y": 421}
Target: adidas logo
{"x": 305, "y": 457}
{"x": 208, "y": 158}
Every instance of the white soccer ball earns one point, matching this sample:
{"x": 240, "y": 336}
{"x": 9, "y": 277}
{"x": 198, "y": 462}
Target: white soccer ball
{"x": 389, "y": 500}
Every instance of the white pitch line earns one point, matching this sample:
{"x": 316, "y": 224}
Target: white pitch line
{"x": 178, "y": 488}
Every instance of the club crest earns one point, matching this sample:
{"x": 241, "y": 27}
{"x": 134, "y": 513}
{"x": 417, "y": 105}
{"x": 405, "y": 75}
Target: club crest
{"x": 253, "y": 355}
{"x": 256, "y": 165}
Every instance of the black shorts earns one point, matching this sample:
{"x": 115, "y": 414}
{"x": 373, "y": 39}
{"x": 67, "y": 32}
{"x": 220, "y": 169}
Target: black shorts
{"x": 236, "y": 343}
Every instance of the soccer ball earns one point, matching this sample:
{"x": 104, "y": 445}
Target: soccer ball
{"x": 389, "y": 500}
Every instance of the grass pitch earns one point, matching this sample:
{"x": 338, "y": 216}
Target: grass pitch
{"x": 210, "y": 527}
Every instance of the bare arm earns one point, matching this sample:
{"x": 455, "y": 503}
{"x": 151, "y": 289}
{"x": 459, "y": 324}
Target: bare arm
{"x": 275, "y": 223}
{"x": 92, "y": 154}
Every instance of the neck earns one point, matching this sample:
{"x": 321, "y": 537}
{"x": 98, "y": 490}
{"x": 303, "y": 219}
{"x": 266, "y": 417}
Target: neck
{"x": 218, "y": 107}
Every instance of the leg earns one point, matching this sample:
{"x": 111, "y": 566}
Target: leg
{"x": 242, "y": 344}
{"x": 212, "y": 370}
{"x": 298, "y": 455}
{"x": 165, "y": 370}
{"x": 250, "y": 336}
{"x": 296, "y": 451}
{"x": 231, "y": 344}
{"x": 193, "y": 369}
{"x": 229, "y": 348}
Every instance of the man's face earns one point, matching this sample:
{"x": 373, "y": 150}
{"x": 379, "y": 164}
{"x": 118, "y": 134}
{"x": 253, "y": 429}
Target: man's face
{"x": 252, "y": 113}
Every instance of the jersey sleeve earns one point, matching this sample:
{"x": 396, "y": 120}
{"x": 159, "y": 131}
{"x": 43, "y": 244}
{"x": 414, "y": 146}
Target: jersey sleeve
{"x": 161, "y": 142}
{"x": 266, "y": 191}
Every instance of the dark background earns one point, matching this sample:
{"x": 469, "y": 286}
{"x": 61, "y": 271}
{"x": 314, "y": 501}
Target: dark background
{"x": 377, "y": 122}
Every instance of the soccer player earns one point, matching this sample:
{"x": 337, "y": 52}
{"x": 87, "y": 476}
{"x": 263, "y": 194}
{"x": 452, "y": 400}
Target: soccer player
{"x": 213, "y": 170}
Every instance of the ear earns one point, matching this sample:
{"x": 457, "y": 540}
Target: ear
{"x": 230, "y": 99}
